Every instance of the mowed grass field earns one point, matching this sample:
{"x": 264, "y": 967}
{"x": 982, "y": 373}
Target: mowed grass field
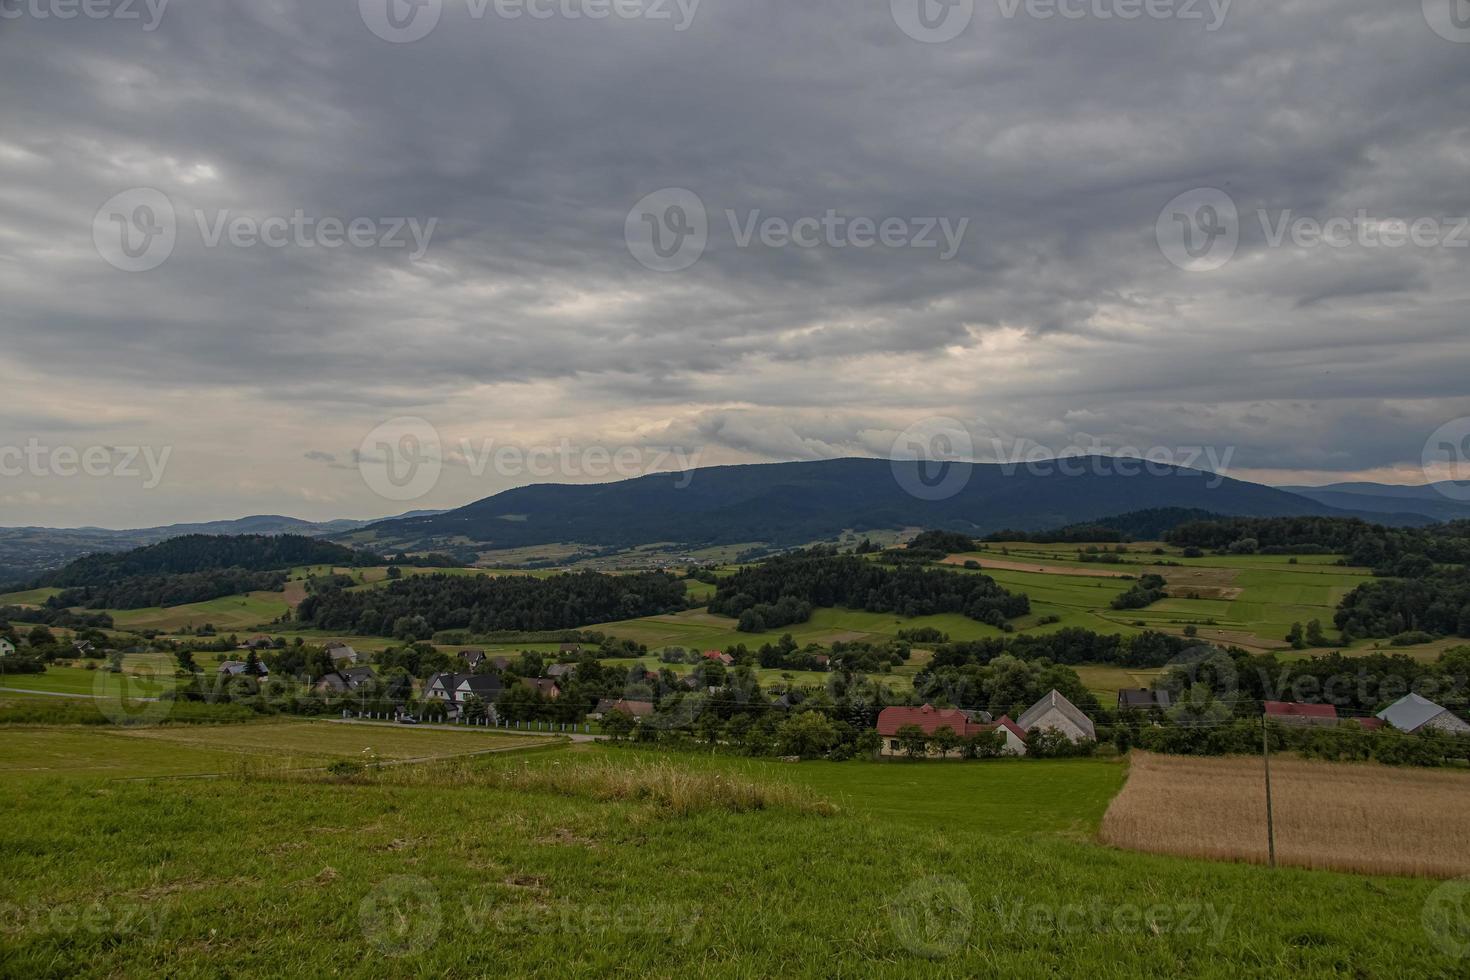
{"x": 592, "y": 861}
{"x": 209, "y": 749}
{"x": 1368, "y": 817}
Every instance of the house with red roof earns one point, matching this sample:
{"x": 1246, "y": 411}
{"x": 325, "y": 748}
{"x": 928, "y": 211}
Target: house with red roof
{"x": 718, "y": 657}
{"x": 1291, "y": 713}
{"x": 930, "y": 719}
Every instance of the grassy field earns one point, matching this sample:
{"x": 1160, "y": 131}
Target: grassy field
{"x": 205, "y": 749}
{"x": 134, "y": 682}
{"x": 592, "y": 861}
{"x": 229, "y": 614}
{"x": 1369, "y": 818}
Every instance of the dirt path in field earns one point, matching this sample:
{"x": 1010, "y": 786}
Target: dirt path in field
{"x": 1011, "y": 565}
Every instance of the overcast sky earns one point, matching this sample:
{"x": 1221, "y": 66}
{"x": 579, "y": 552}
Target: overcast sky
{"x": 1031, "y": 284}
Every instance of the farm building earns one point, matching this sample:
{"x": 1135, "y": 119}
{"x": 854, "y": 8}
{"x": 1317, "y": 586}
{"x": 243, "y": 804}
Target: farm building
{"x": 1291, "y": 713}
{"x": 635, "y": 709}
{"x": 1056, "y": 713}
{"x": 1143, "y": 699}
{"x": 341, "y": 653}
{"x": 1411, "y": 713}
{"x": 721, "y": 658}
{"x": 346, "y": 680}
{"x": 930, "y": 719}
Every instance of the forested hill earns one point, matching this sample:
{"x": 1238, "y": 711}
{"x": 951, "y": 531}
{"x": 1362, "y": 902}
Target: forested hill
{"x": 205, "y": 553}
{"x": 785, "y": 504}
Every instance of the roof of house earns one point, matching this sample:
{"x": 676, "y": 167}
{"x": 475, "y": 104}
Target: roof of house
{"x": 638, "y": 709}
{"x": 358, "y": 674}
{"x": 1142, "y": 697}
{"x": 560, "y": 670}
{"x": 1290, "y": 709}
{"x": 541, "y": 684}
{"x": 237, "y": 667}
{"x": 335, "y": 682}
{"x": 481, "y": 685}
{"x": 1055, "y": 701}
{"x": 929, "y": 718}
{"x": 472, "y": 656}
{"x": 1410, "y": 712}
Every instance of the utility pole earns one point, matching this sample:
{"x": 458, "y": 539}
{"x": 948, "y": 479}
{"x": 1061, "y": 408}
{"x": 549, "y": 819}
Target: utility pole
{"x": 1270, "y": 817}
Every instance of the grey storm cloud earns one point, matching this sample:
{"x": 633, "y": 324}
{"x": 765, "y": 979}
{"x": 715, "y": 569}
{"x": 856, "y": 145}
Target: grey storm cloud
{"x": 527, "y": 142}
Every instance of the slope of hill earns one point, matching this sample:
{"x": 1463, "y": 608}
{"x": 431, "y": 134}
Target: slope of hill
{"x": 1438, "y": 501}
{"x": 28, "y": 551}
{"x": 787, "y": 504}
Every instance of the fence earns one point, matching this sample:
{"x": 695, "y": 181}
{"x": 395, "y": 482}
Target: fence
{"x": 550, "y": 727}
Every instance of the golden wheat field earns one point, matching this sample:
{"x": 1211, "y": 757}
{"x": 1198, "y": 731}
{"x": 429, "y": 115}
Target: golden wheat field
{"x": 1348, "y": 817}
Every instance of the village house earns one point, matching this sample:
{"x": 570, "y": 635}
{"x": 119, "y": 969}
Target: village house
{"x": 472, "y": 658}
{"x": 1055, "y": 713}
{"x": 558, "y": 671}
{"x": 1291, "y": 713}
{"x": 570, "y": 648}
{"x": 1143, "y": 699}
{"x": 545, "y": 687}
{"x": 930, "y": 719}
{"x": 718, "y": 657}
{"x": 7, "y": 648}
{"x": 634, "y": 709}
{"x": 1412, "y": 713}
{"x": 345, "y": 681}
{"x": 341, "y": 653}
{"x": 236, "y": 668}
{"x": 83, "y": 648}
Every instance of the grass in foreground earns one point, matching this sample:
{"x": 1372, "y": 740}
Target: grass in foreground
{"x": 1369, "y": 818}
{"x": 446, "y": 873}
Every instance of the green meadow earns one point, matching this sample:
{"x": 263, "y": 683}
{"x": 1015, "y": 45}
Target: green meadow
{"x": 595, "y": 861}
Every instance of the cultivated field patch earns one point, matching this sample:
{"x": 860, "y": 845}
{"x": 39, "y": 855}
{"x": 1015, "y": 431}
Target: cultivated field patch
{"x": 1365, "y": 818}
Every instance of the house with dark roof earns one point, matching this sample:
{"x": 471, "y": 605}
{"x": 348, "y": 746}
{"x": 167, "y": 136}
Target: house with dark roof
{"x": 486, "y": 687}
{"x": 342, "y": 653}
{"x": 1055, "y": 713}
{"x": 634, "y": 709}
{"x": 558, "y": 671}
{"x": 570, "y": 648}
{"x": 1292, "y": 713}
{"x": 544, "y": 686}
{"x": 930, "y": 719}
{"x": 1412, "y": 713}
{"x": 345, "y": 681}
{"x": 1143, "y": 699}
{"x": 472, "y": 658}
{"x": 236, "y": 668}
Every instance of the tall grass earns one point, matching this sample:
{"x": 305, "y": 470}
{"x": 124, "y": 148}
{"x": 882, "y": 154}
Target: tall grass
{"x": 1364, "y": 818}
{"x": 678, "y": 790}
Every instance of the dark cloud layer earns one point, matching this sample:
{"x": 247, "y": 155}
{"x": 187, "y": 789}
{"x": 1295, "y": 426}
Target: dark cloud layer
{"x": 528, "y": 319}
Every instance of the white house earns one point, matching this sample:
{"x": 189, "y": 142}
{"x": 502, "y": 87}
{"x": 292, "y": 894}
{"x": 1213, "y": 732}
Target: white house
{"x": 340, "y": 652}
{"x": 1055, "y": 712}
{"x": 1411, "y": 713}
{"x": 6, "y": 647}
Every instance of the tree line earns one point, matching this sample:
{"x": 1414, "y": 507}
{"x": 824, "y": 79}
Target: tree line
{"x": 785, "y": 589}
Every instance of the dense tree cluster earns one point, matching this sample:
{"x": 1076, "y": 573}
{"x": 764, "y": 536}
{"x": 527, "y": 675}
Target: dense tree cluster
{"x": 1383, "y": 549}
{"x": 945, "y": 542}
{"x": 1138, "y": 525}
{"x": 147, "y": 591}
{"x": 206, "y": 552}
{"x": 1438, "y": 604}
{"x": 416, "y": 608}
{"x": 786, "y": 586}
{"x": 1148, "y": 590}
{"x": 1069, "y": 646}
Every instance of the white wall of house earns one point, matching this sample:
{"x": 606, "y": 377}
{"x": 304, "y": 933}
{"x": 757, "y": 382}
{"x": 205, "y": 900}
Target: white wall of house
{"x": 1446, "y": 722}
{"x": 1055, "y": 719}
{"x": 892, "y": 747}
